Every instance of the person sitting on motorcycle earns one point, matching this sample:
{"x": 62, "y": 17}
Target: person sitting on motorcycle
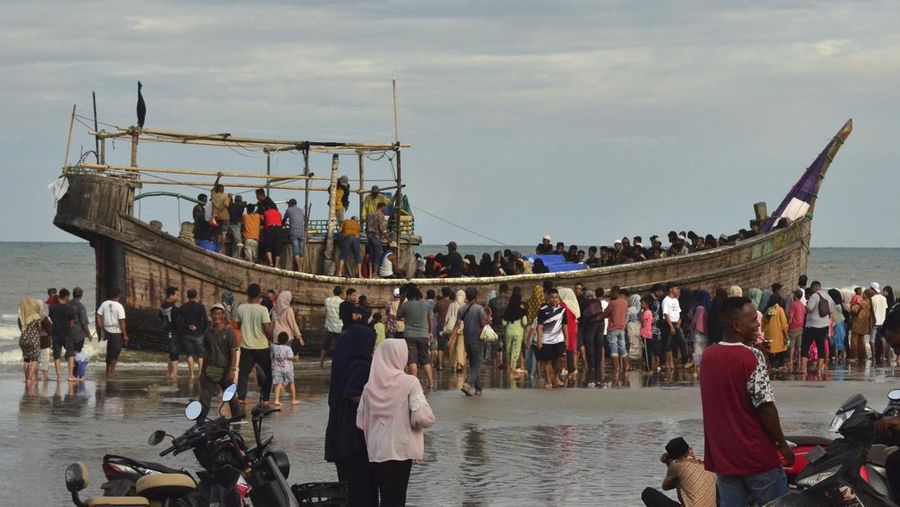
{"x": 696, "y": 486}
{"x": 886, "y": 426}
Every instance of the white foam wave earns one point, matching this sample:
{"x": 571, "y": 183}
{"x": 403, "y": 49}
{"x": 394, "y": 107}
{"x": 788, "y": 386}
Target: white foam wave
{"x": 93, "y": 349}
{"x": 9, "y": 332}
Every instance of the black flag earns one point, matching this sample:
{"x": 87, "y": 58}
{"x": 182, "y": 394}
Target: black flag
{"x": 141, "y": 107}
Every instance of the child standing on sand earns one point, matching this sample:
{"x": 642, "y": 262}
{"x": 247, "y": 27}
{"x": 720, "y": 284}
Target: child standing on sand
{"x": 283, "y": 369}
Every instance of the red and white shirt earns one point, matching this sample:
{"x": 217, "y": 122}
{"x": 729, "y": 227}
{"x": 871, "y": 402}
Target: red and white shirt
{"x": 733, "y": 385}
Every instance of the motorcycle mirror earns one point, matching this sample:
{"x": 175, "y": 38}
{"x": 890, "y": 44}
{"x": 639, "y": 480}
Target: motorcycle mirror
{"x": 192, "y": 411}
{"x": 229, "y": 393}
{"x": 894, "y": 395}
{"x": 77, "y": 477}
{"x": 156, "y": 437}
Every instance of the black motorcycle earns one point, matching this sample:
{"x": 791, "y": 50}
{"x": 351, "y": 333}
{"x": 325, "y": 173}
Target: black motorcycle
{"x": 850, "y": 471}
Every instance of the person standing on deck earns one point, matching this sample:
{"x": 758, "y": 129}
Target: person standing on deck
{"x": 202, "y": 229}
{"x": 263, "y": 201}
{"x": 235, "y": 223}
{"x": 350, "y": 253}
{"x": 272, "y": 235}
{"x": 740, "y": 421}
{"x": 295, "y": 220}
{"x": 173, "y": 327}
{"x": 333, "y": 323}
{"x": 195, "y": 324}
{"x": 376, "y": 237}
{"x": 341, "y": 198}
{"x": 220, "y": 202}
{"x": 372, "y": 200}
{"x": 111, "y": 319}
{"x": 454, "y": 262}
{"x": 251, "y": 225}
{"x": 256, "y": 333}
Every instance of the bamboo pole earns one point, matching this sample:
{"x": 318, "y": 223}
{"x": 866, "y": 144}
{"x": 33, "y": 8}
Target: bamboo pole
{"x": 205, "y": 185}
{"x": 225, "y": 138}
{"x": 332, "y": 204}
{"x": 268, "y": 172}
{"x": 135, "y": 138}
{"x": 96, "y": 127}
{"x": 362, "y": 181}
{"x": 399, "y": 194}
{"x": 161, "y": 170}
{"x": 69, "y": 139}
{"x": 307, "y": 174}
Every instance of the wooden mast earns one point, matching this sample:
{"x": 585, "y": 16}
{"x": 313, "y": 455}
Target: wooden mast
{"x": 329, "y": 233}
{"x": 399, "y": 200}
{"x": 362, "y": 181}
{"x": 69, "y": 139}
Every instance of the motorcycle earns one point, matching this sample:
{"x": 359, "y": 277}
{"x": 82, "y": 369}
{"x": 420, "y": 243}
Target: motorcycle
{"x": 851, "y": 469}
{"x": 231, "y": 473}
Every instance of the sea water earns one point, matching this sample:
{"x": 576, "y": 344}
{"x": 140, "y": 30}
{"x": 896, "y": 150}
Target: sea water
{"x": 29, "y": 269}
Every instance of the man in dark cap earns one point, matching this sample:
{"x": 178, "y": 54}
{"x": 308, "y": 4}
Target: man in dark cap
{"x": 453, "y": 262}
{"x": 370, "y": 202}
{"x": 696, "y": 486}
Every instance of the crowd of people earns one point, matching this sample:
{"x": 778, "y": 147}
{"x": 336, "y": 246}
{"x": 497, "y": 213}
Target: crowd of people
{"x": 56, "y": 329}
{"x": 622, "y": 251}
{"x": 258, "y": 232}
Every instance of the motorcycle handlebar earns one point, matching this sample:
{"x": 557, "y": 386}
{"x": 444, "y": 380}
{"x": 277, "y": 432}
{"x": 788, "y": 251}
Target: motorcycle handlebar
{"x": 167, "y": 451}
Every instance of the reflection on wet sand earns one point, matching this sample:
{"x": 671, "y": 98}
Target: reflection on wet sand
{"x": 516, "y": 445}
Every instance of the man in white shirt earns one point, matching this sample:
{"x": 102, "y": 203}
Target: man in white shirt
{"x": 879, "y": 308}
{"x": 672, "y": 335}
{"x": 333, "y": 323}
{"x": 111, "y": 320}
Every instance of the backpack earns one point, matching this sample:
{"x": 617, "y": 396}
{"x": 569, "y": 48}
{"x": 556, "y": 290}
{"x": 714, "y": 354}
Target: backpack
{"x": 823, "y": 307}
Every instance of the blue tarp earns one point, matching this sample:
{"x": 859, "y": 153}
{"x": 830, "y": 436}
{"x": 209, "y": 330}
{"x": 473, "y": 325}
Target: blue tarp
{"x": 557, "y": 263}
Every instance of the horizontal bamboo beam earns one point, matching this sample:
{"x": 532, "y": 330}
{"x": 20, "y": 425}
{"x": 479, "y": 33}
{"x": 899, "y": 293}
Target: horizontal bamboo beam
{"x": 160, "y": 170}
{"x": 203, "y": 184}
{"x": 226, "y": 139}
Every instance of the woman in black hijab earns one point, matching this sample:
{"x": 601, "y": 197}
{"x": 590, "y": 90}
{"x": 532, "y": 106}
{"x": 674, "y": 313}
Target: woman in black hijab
{"x": 345, "y": 445}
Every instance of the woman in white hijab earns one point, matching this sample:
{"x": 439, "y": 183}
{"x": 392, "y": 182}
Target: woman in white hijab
{"x": 456, "y": 347}
{"x": 392, "y": 414}
{"x": 283, "y": 318}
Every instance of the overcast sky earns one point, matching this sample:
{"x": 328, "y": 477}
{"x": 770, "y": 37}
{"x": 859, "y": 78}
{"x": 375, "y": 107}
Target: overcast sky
{"x": 584, "y": 120}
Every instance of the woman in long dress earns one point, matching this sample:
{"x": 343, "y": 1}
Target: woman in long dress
{"x": 393, "y": 413}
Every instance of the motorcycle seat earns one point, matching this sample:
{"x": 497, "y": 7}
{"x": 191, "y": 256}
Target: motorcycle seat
{"x": 878, "y": 454}
{"x": 159, "y": 467}
{"x": 804, "y": 440}
{"x": 160, "y": 486}
{"x": 121, "y": 501}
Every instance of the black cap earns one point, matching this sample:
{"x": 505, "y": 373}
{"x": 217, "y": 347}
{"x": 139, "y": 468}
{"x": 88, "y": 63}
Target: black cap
{"x": 452, "y": 244}
{"x": 677, "y": 448}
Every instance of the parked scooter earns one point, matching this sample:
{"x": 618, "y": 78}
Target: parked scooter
{"x": 850, "y": 471}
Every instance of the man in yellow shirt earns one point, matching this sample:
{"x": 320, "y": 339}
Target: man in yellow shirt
{"x": 370, "y": 203}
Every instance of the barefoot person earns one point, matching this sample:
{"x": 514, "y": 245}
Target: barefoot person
{"x": 219, "y": 367}
{"x": 62, "y": 315}
{"x": 283, "y": 369}
{"x": 30, "y": 323}
{"x": 172, "y": 324}
{"x": 111, "y": 319}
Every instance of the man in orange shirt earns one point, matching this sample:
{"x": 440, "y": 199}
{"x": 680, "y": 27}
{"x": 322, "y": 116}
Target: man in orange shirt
{"x": 350, "y": 231}
{"x": 250, "y": 232}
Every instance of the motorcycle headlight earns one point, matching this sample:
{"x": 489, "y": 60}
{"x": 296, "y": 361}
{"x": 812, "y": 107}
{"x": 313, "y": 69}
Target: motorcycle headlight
{"x": 839, "y": 420}
{"x": 812, "y": 480}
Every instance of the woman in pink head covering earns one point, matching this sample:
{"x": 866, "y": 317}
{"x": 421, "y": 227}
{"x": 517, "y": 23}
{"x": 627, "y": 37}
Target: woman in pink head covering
{"x": 392, "y": 413}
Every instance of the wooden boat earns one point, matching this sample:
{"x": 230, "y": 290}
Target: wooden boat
{"x": 143, "y": 260}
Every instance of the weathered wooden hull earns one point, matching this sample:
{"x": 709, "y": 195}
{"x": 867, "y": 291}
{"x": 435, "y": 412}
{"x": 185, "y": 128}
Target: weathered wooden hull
{"x": 143, "y": 261}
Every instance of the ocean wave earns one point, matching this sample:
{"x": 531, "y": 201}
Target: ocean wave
{"x": 9, "y": 332}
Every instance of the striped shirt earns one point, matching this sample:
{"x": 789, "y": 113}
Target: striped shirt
{"x": 696, "y": 485}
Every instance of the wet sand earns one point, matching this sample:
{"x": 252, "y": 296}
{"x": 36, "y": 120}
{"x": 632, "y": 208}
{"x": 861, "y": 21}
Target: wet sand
{"x": 513, "y": 446}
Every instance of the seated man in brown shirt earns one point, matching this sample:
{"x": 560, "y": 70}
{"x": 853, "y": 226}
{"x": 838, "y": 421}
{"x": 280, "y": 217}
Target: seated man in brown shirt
{"x": 696, "y": 486}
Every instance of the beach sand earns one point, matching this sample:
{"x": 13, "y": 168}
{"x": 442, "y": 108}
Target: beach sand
{"x": 513, "y": 446}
